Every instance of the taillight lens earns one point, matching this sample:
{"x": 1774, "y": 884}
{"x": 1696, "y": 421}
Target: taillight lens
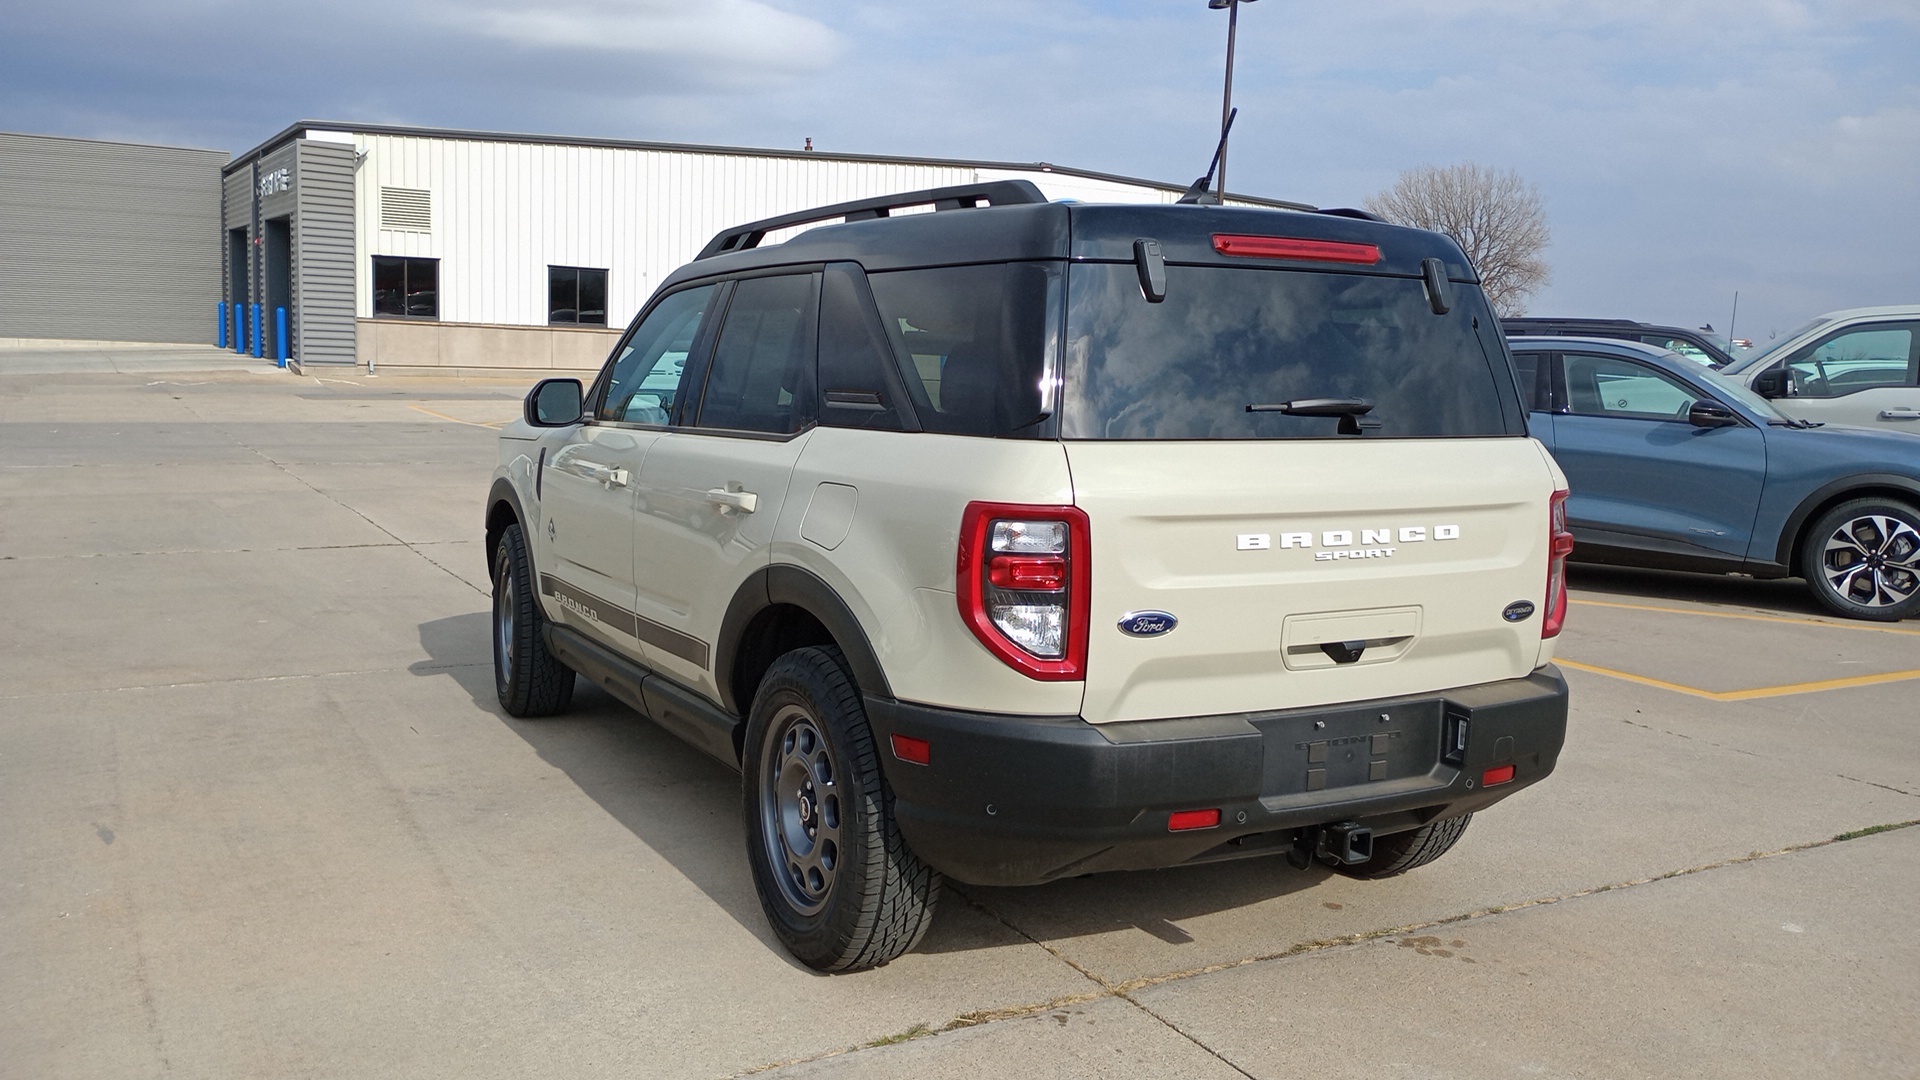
{"x": 1560, "y": 545}
{"x": 1024, "y": 583}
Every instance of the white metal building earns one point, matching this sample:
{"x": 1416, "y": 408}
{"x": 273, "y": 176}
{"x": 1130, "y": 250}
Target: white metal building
{"x": 410, "y": 247}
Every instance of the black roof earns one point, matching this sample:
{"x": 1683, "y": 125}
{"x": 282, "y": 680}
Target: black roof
{"x": 1080, "y": 231}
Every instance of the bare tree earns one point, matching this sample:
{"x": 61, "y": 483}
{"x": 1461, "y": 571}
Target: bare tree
{"x": 1494, "y": 215}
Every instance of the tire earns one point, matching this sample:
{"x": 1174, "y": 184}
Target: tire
{"x": 838, "y": 883}
{"x": 1862, "y": 560}
{"x": 1401, "y": 852}
{"x": 529, "y": 680}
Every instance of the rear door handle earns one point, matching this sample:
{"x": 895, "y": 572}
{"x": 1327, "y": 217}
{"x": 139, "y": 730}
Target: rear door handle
{"x": 746, "y": 502}
{"x": 1901, "y": 413}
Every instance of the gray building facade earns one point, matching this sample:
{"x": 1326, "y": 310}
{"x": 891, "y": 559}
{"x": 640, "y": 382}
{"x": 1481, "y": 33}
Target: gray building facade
{"x": 108, "y": 241}
{"x": 288, "y": 228}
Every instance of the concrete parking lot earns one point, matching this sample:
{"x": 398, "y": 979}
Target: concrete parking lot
{"x": 263, "y": 818}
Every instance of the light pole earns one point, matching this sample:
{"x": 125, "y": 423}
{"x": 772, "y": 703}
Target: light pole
{"x": 1226, "y": 102}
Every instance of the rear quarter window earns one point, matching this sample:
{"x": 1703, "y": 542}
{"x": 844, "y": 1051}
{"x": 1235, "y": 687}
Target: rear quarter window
{"x": 971, "y": 343}
{"x": 1228, "y": 337}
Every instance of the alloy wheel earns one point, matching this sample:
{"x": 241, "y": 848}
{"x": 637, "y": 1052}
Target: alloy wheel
{"x": 1873, "y": 560}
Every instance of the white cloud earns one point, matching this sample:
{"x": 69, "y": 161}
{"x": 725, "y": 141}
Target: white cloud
{"x": 759, "y": 39}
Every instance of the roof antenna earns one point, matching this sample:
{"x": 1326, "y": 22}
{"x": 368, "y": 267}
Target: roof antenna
{"x": 1198, "y": 194}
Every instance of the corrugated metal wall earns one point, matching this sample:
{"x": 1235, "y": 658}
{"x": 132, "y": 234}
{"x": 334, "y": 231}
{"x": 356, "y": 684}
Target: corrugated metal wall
{"x": 108, "y": 241}
{"x": 324, "y": 263}
{"x": 502, "y": 212}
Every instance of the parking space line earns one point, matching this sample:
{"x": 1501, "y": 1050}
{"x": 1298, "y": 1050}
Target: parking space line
{"x": 1745, "y": 695}
{"x": 1877, "y": 627}
{"x": 457, "y": 420}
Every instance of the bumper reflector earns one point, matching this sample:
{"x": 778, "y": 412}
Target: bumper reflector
{"x": 913, "y": 751}
{"x": 1499, "y": 774}
{"x": 1183, "y": 820}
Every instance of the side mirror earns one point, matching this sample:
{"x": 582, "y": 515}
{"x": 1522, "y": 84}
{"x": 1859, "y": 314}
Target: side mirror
{"x": 1776, "y": 383}
{"x": 554, "y": 403}
{"x": 1710, "y": 414}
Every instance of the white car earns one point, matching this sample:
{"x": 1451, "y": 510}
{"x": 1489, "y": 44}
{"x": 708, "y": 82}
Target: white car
{"x": 1019, "y": 541}
{"x": 1859, "y": 367}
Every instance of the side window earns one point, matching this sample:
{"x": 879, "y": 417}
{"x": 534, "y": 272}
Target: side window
{"x": 972, "y": 342}
{"x": 857, "y": 386}
{"x": 645, "y": 382}
{"x": 1530, "y": 370}
{"x": 1610, "y": 386}
{"x": 1858, "y": 359}
{"x": 762, "y": 373}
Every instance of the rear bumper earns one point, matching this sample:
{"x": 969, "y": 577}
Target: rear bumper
{"x": 1017, "y": 800}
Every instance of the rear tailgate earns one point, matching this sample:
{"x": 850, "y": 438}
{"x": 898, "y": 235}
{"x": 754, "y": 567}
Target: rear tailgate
{"x": 1309, "y": 572}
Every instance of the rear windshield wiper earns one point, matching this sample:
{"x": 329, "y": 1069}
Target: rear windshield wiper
{"x": 1351, "y": 411}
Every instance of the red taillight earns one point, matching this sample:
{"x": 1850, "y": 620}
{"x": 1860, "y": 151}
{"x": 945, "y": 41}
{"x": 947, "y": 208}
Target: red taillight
{"x": 909, "y": 749}
{"x": 1183, "y": 820}
{"x": 1024, "y": 583}
{"x": 1046, "y": 573}
{"x": 1559, "y": 546}
{"x": 1499, "y": 774}
{"x": 1291, "y": 247}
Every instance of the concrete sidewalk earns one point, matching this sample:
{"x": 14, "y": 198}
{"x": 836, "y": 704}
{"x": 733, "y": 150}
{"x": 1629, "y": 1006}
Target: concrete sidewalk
{"x": 32, "y": 357}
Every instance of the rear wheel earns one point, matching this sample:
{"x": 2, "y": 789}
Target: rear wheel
{"x": 837, "y": 882}
{"x": 1862, "y": 559}
{"x": 528, "y": 678}
{"x": 1401, "y": 852}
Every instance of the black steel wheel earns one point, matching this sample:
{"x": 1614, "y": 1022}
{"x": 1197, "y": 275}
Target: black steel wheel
{"x": 1862, "y": 559}
{"x": 840, "y": 887}
{"x": 528, "y": 678}
{"x": 1398, "y": 853}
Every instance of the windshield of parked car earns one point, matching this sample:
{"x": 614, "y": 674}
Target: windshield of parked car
{"x": 1767, "y": 352}
{"x": 1226, "y": 338}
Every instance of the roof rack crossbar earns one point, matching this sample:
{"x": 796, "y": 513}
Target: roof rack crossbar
{"x": 995, "y": 193}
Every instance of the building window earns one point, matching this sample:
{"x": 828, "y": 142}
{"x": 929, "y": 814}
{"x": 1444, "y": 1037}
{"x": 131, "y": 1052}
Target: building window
{"x": 576, "y": 296}
{"x": 406, "y": 288}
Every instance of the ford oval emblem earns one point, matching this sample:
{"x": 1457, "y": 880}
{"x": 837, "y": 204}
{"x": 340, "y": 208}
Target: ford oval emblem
{"x": 1147, "y": 623}
{"x": 1518, "y": 611}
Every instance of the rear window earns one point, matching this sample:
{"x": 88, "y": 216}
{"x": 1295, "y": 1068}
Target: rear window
{"x": 1226, "y": 338}
{"x": 972, "y": 343}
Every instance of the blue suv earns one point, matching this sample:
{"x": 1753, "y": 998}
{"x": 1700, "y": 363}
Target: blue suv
{"x": 1675, "y": 467}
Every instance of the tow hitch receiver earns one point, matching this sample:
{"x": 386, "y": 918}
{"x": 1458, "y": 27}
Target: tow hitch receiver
{"x": 1345, "y": 842}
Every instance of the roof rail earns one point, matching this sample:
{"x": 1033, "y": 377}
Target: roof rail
{"x": 995, "y": 193}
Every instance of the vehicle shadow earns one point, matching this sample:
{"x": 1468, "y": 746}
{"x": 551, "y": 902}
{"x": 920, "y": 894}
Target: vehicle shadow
{"x": 1619, "y": 584}
{"x": 685, "y": 806}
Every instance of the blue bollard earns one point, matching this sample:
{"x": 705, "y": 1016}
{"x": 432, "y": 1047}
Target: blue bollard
{"x": 259, "y": 335}
{"x": 223, "y": 324}
{"x": 280, "y": 333}
{"x": 239, "y": 327}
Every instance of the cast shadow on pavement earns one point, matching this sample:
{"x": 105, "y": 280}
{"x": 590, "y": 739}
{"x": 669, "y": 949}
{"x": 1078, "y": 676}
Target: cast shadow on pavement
{"x": 1786, "y": 596}
{"x": 685, "y": 806}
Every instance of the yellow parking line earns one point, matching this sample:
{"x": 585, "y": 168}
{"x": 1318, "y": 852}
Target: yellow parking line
{"x": 457, "y": 420}
{"x": 1657, "y": 684}
{"x": 1746, "y": 695}
{"x": 1815, "y": 687}
{"x": 1880, "y": 627}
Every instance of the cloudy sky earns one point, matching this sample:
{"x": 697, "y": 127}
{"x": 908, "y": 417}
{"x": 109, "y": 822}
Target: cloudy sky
{"x": 1685, "y": 149}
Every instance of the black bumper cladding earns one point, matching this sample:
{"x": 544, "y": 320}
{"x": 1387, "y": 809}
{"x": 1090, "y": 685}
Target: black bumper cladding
{"x": 1011, "y": 800}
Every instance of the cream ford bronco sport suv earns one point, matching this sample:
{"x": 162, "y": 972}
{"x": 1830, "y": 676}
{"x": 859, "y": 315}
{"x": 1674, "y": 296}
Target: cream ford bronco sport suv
{"x": 1021, "y": 540}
